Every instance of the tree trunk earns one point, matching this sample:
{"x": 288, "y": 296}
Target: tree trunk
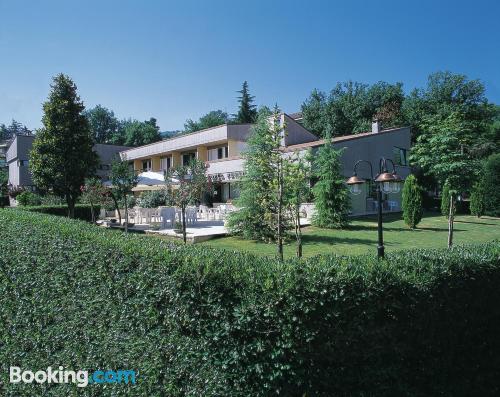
{"x": 126, "y": 212}
{"x": 71, "y": 206}
{"x": 298, "y": 232}
{"x": 183, "y": 214}
{"x": 450, "y": 221}
{"x": 280, "y": 215}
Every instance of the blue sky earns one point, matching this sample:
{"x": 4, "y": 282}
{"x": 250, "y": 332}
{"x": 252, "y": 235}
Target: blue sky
{"x": 178, "y": 60}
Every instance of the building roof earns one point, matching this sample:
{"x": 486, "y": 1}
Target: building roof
{"x": 338, "y": 139}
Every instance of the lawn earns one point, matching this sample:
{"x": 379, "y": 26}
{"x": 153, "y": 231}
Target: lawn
{"x": 361, "y": 236}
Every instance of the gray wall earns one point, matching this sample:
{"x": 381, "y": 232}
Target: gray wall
{"x": 19, "y": 151}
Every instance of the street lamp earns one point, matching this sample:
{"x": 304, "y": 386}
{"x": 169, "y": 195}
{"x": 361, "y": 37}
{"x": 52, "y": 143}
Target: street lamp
{"x": 386, "y": 182}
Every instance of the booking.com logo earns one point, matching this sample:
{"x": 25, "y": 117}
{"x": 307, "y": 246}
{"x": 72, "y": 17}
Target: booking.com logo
{"x": 81, "y": 378}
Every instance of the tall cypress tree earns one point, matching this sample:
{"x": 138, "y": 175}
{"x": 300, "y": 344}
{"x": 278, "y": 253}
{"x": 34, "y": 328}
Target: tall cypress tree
{"x": 331, "y": 197}
{"x": 412, "y": 202}
{"x": 62, "y": 155}
{"x": 247, "y": 113}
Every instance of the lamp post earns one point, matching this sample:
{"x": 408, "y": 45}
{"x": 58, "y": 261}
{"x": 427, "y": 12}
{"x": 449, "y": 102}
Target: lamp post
{"x": 386, "y": 182}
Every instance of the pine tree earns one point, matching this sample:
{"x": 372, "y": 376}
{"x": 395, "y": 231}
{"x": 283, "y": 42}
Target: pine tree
{"x": 263, "y": 187}
{"x": 62, "y": 155}
{"x": 247, "y": 112}
{"x": 412, "y": 202}
{"x": 331, "y": 197}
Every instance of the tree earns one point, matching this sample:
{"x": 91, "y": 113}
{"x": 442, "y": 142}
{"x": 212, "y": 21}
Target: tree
{"x": 62, "y": 155}
{"x": 350, "y": 108}
{"x": 477, "y": 199}
{"x": 103, "y": 124}
{"x": 297, "y": 177}
{"x": 15, "y": 128}
{"x": 4, "y": 187}
{"x": 247, "y": 112}
{"x": 185, "y": 186}
{"x": 93, "y": 192}
{"x": 491, "y": 184}
{"x": 211, "y": 119}
{"x": 137, "y": 133}
{"x": 448, "y": 207}
{"x": 331, "y": 196}
{"x": 263, "y": 186}
{"x": 123, "y": 179}
{"x": 412, "y": 202}
{"x": 445, "y": 199}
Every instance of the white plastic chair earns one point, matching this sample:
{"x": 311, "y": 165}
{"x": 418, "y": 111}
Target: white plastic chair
{"x": 191, "y": 215}
{"x": 167, "y": 215}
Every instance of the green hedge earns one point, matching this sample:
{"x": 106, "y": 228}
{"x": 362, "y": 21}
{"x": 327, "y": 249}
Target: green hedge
{"x": 82, "y": 211}
{"x": 199, "y": 322}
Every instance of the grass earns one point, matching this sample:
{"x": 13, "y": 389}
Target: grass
{"x": 361, "y": 236}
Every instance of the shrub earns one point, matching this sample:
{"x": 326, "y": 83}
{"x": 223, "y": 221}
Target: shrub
{"x": 412, "y": 202}
{"x": 445, "y": 199}
{"x": 82, "y": 211}
{"x": 153, "y": 199}
{"x": 477, "y": 200}
{"x": 491, "y": 183}
{"x": 28, "y": 198}
{"x": 200, "y": 322}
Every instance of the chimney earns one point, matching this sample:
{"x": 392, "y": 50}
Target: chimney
{"x": 376, "y": 127}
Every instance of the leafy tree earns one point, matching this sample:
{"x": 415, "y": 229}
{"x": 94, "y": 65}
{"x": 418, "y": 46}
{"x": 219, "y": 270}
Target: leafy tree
{"x": 477, "y": 199}
{"x": 93, "y": 192}
{"x": 491, "y": 184}
{"x": 211, "y": 119}
{"x": 412, "y": 202}
{"x": 247, "y": 112}
{"x": 138, "y": 133}
{"x": 331, "y": 196}
{"x": 62, "y": 155}
{"x": 186, "y": 185}
{"x": 103, "y": 124}
{"x": 123, "y": 179}
{"x": 153, "y": 199}
{"x": 351, "y": 106}
{"x": 263, "y": 187}
{"x": 297, "y": 184}
{"x": 15, "y": 128}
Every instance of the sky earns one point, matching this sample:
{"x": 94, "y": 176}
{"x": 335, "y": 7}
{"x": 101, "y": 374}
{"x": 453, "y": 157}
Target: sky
{"x": 179, "y": 60}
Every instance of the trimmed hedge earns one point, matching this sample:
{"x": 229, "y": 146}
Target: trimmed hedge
{"x": 199, "y": 322}
{"x": 82, "y": 211}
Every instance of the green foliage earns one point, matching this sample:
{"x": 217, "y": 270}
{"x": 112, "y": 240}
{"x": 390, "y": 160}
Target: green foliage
{"x": 123, "y": 179}
{"x": 27, "y": 198}
{"x": 211, "y": 119}
{"x": 62, "y": 155}
{"x": 136, "y": 133}
{"x": 194, "y": 321}
{"x": 491, "y": 183}
{"x": 153, "y": 199}
{"x": 412, "y": 202}
{"x": 4, "y": 187}
{"x": 103, "y": 124}
{"x": 351, "y": 106}
{"x": 186, "y": 185}
{"x": 82, "y": 211}
{"x": 445, "y": 199}
{"x": 15, "y": 128}
{"x": 331, "y": 196}
{"x": 477, "y": 200}
{"x": 247, "y": 113}
{"x": 258, "y": 201}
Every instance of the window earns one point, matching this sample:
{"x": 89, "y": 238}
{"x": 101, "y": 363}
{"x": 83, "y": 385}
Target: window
{"x": 217, "y": 153}
{"x": 165, "y": 163}
{"x": 400, "y": 156}
{"x": 188, "y": 157}
{"x": 23, "y": 163}
{"x": 146, "y": 165}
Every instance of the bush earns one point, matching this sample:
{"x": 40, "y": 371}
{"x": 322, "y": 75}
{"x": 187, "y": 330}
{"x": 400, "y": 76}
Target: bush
{"x": 412, "y": 202}
{"x": 153, "y": 199}
{"x": 82, "y": 211}
{"x": 200, "y": 322}
{"x": 28, "y": 198}
{"x": 477, "y": 200}
{"x": 445, "y": 200}
{"x": 491, "y": 182}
